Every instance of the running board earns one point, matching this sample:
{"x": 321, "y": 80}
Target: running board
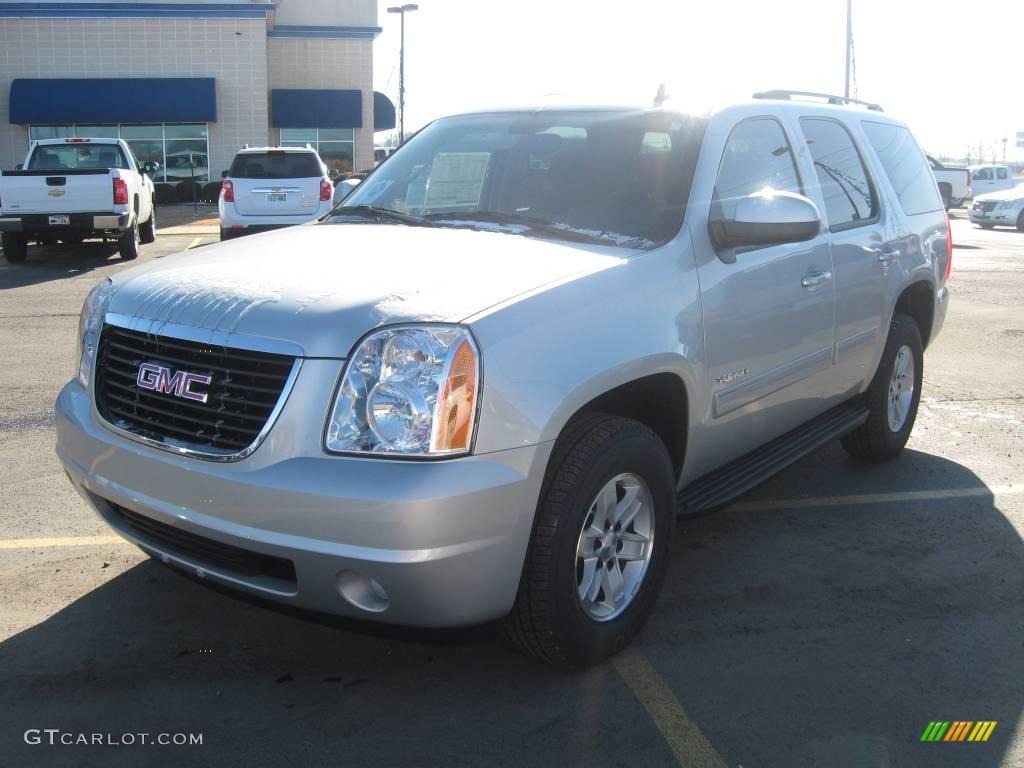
{"x": 727, "y": 483}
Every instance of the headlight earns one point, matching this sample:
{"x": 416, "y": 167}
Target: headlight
{"x": 90, "y": 322}
{"x": 410, "y": 391}
{"x": 1007, "y": 204}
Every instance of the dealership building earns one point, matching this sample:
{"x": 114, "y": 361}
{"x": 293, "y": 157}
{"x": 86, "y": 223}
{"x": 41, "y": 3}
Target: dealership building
{"x": 187, "y": 84}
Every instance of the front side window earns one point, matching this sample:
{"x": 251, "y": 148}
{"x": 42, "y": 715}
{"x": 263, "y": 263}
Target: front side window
{"x": 842, "y": 178}
{"x": 982, "y": 174}
{"x": 905, "y": 166}
{"x": 609, "y": 176}
{"x": 757, "y": 158}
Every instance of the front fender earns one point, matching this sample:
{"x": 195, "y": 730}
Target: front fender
{"x": 548, "y": 355}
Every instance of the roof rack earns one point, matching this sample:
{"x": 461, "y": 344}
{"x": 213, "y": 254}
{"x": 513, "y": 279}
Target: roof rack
{"x": 785, "y": 95}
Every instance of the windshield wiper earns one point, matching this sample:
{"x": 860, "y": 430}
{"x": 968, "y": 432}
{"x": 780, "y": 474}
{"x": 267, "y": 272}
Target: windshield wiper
{"x": 534, "y": 224}
{"x": 380, "y": 214}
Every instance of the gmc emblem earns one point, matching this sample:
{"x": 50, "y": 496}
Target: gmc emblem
{"x": 158, "y": 378}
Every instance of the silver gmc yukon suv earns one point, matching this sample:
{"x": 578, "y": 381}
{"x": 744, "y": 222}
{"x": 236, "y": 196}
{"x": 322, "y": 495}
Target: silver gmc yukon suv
{"x": 485, "y": 386}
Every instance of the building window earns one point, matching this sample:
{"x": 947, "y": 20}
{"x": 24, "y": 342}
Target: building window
{"x": 336, "y": 146}
{"x": 181, "y": 149}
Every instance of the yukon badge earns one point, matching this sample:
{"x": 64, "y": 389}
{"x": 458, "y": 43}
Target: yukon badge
{"x": 725, "y": 378}
{"x": 158, "y": 378}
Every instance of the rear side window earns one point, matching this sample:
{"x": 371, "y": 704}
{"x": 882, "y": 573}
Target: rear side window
{"x": 83, "y": 155}
{"x": 275, "y": 165}
{"x": 845, "y": 186}
{"x": 904, "y": 164}
{"x": 757, "y": 157}
{"x": 1002, "y": 173}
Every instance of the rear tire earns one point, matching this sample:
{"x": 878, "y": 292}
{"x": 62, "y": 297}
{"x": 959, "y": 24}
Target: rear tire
{"x": 225, "y": 234}
{"x": 891, "y": 412}
{"x": 147, "y": 231}
{"x": 567, "y": 611}
{"x": 15, "y": 247}
{"x": 128, "y": 243}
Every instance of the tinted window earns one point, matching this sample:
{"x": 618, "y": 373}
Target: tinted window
{"x": 982, "y": 174}
{"x": 61, "y": 156}
{"x": 757, "y": 157}
{"x": 1002, "y": 173}
{"x": 905, "y": 166}
{"x": 275, "y": 165}
{"x": 843, "y": 180}
{"x": 614, "y": 176}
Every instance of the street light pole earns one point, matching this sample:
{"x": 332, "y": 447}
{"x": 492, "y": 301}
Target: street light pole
{"x": 849, "y": 43}
{"x": 401, "y": 10}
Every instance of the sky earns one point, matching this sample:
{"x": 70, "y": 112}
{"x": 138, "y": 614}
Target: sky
{"x": 954, "y": 75}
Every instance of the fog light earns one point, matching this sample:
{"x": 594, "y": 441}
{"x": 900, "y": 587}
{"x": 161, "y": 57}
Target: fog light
{"x": 362, "y": 591}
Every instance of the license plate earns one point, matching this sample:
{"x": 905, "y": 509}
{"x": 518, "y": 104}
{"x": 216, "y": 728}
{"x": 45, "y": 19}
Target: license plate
{"x": 65, "y": 220}
{"x": 277, "y": 197}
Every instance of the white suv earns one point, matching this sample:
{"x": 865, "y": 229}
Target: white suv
{"x": 273, "y": 187}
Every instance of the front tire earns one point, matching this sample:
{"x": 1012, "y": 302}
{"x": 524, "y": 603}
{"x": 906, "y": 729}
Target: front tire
{"x": 600, "y": 543}
{"x": 15, "y": 247}
{"x": 147, "y": 231}
{"x": 893, "y": 396}
{"x": 1020, "y": 222}
{"x": 128, "y": 243}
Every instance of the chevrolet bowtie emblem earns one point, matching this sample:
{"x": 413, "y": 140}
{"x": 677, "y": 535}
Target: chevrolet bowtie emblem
{"x": 55, "y": 192}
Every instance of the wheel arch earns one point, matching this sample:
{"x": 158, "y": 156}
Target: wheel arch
{"x": 917, "y": 301}
{"x": 660, "y": 400}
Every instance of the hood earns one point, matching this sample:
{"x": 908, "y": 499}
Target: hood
{"x": 1004, "y": 194}
{"x": 319, "y": 288}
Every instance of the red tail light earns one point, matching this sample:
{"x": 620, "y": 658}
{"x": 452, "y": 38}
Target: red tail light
{"x": 228, "y": 190}
{"x": 949, "y": 249}
{"x": 326, "y": 190}
{"x": 120, "y": 192}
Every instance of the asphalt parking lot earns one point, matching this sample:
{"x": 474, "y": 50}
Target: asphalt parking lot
{"x": 824, "y": 620}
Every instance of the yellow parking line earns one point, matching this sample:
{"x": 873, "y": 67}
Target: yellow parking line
{"x": 62, "y": 541}
{"x": 878, "y": 498}
{"x": 684, "y": 738}
{"x": 194, "y": 243}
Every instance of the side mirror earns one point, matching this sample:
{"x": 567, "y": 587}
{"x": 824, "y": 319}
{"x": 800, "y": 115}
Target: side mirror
{"x": 150, "y": 167}
{"x": 19, "y": 167}
{"x": 762, "y": 219}
{"x": 223, "y": 174}
{"x": 333, "y": 173}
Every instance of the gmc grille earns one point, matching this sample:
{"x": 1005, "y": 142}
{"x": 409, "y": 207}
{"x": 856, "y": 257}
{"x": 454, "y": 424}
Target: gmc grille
{"x": 987, "y": 205}
{"x": 244, "y": 388}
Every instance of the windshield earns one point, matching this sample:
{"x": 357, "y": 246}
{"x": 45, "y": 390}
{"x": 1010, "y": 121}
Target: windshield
{"x": 69, "y": 156}
{"x": 276, "y": 164}
{"x": 610, "y": 176}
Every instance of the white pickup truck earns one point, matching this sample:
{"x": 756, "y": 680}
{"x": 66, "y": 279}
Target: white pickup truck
{"x": 77, "y": 188}
{"x": 954, "y": 183}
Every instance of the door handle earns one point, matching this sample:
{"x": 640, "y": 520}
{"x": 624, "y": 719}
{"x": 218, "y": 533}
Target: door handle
{"x": 888, "y": 254}
{"x": 812, "y": 279}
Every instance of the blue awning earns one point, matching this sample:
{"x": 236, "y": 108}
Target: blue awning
{"x": 316, "y": 109}
{"x": 113, "y": 100}
{"x": 383, "y": 112}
